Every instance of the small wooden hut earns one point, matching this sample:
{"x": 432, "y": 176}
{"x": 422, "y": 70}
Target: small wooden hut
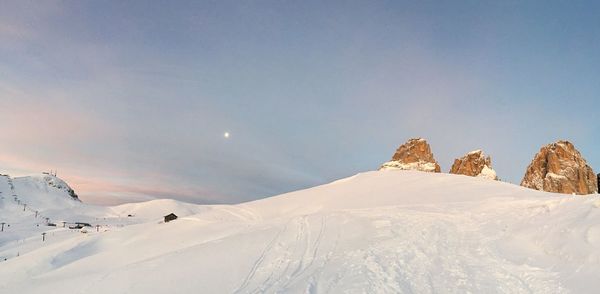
{"x": 169, "y": 217}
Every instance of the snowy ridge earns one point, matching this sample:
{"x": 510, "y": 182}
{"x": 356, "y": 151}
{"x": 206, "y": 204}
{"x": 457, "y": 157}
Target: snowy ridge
{"x": 156, "y": 208}
{"x": 376, "y": 232}
{"x": 478, "y": 151}
{"x": 419, "y": 165}
{"x": 54, "y": 181}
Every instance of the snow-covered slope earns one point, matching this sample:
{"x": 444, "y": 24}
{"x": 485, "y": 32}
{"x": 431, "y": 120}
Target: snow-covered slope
{"x": 44, "y": 191}
{"x": 376, "y": 232}
{"x": 34, "y": 197}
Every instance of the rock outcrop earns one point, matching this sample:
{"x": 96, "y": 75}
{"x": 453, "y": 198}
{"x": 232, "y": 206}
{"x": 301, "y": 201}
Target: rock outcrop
{"x": 474, "y": 164}
{"x": 560, "y": 168}
{"x": 413, "y": 155}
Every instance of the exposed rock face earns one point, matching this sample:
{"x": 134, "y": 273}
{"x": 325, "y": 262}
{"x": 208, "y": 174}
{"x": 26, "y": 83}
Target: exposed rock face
{"x": 413, "y": 155}
{"x": 560, "y": 168}
{"x": 474, "y": 164}
{"x": 54, "y": 181}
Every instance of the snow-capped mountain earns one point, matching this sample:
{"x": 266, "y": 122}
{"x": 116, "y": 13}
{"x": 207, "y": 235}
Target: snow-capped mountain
{"x": 391, "y": 231}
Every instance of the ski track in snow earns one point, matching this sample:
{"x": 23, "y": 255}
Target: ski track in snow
{"x": 398, "y": 259}
{"x": 284, "y": 262}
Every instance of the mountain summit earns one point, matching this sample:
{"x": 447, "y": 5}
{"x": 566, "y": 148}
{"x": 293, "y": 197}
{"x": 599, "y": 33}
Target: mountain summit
{"x": 560, "y": 168}
{"x": 474, "y": 164}
{"x": 415, "y": 154}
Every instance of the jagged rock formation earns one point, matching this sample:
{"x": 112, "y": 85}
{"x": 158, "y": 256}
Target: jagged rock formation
{"x": 560, "y": 168}
{"x": 415, "y": 154}
{"x": 474, "y": 164}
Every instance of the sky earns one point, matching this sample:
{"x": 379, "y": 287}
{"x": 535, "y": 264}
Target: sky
{"x": 130, "y": 100}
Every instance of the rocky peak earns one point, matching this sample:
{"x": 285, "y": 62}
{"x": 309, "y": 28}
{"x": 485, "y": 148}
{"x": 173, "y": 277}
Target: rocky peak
{"x": 560, "y": 168}
{"x": 415, "y": 154}
{"x": 474, "y": 164}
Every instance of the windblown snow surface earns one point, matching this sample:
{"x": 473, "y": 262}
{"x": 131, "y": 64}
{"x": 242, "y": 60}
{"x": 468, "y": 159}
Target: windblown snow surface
{"x": 377, "y": 232}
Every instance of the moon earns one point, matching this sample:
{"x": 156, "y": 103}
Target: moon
{"x": 226, "y": 135}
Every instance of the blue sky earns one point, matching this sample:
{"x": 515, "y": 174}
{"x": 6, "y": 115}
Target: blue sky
{"x": 130, "y": 100}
